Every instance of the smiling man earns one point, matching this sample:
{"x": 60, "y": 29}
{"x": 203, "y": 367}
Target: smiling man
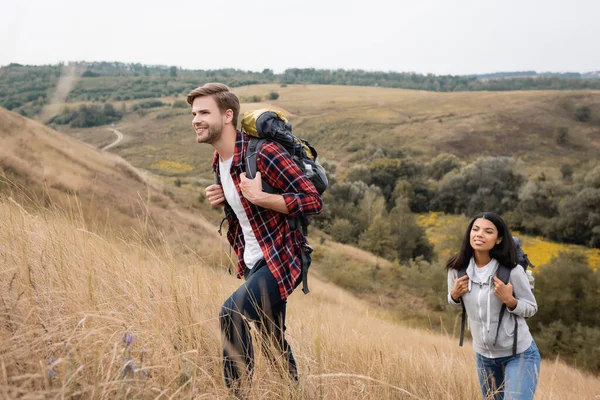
{"x": 269, "y": 251}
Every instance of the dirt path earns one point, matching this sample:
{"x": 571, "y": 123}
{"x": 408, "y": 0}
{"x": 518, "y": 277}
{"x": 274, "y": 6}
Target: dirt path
{"x": 116, "y": 142}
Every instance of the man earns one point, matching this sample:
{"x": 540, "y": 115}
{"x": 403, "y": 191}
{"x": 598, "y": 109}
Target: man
{"x": 269, "y": 251}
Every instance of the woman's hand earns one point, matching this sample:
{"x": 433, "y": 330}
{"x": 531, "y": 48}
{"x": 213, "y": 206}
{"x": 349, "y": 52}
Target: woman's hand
{"x": 505, "y": 293}
{"x": 461, "y": 286}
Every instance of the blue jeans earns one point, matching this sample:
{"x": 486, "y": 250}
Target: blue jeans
{"x": 257, "y": 300}
{"x": 512, "y": 377}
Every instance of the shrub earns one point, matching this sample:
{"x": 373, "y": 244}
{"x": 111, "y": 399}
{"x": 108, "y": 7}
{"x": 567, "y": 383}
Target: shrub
{"x": 148, "y": 104}
{"x": 567, "y": 172}
{"x": 562, "y": 136}
{"x": 583, "y": 114}
{"x": 341, "y": 230}
{"x": 179, "y": 104}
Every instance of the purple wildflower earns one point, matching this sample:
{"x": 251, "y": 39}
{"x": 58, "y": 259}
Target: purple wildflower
{"x": 127, "y": 338}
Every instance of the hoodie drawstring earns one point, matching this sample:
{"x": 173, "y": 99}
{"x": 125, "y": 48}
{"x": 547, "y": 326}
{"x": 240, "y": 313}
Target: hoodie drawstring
{"x": 489, "y": 308}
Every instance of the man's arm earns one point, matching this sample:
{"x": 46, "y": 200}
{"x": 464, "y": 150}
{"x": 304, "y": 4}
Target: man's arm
{"x": 298, "y": 194}
{"x": 252, "y": 191}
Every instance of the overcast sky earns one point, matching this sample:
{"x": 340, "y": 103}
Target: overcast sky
{"x": 427, "y": 36}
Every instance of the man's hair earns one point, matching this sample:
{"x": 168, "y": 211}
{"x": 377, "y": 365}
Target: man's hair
{"x": 224, "y": 97}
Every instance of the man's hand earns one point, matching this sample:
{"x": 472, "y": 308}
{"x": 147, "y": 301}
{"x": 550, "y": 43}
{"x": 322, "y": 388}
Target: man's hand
{"x": 505, "y": 293}
{"x": 214, "y": 194}
{"x": 252, "y": 188}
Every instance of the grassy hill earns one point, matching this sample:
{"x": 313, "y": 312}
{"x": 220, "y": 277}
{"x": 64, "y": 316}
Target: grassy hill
{"x": 42, "y": 167}
{"x": 107, "y": 310}
{"x": 348, "y": 124}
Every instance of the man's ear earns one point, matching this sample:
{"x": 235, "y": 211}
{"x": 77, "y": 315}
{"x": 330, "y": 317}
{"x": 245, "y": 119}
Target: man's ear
{"x": 228, "y": 115}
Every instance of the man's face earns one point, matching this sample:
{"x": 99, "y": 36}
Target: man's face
{"x": 208, "y": 121}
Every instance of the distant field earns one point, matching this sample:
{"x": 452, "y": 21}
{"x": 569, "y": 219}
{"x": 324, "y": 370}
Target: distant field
{"x": 347, "y": 124}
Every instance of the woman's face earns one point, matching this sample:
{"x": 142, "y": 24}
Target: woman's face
{"x": 484, "y": 235}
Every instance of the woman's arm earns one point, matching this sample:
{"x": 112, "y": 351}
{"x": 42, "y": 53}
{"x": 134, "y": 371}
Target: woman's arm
{"x": 526, "y": 303}
{"x": 452, "y": 273}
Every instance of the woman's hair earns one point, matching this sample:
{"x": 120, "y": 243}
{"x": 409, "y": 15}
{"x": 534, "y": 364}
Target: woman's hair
{"x": 505, "y": 252}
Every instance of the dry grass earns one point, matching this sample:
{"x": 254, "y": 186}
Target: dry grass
{"x": 89, "y": 316}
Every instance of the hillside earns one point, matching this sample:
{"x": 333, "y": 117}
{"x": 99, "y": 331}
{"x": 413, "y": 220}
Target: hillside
{"x": 42, "y": 168}
{"x": 91, "y": 316}
{"x": 348, "y": 124}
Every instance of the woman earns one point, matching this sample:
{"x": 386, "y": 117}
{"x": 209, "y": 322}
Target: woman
{"x": 508, "y": 367}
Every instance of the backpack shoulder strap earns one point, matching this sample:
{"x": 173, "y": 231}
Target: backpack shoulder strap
{"x": 251, "y": 162}
{"x": 503, "y": 274}
{"x": 251, "y": 153}
{"x": 463, "y": 319}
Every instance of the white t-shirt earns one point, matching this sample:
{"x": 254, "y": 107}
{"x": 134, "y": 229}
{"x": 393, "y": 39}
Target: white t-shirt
{"x": 252, "y": 251}
{"x": 481, "y": 275}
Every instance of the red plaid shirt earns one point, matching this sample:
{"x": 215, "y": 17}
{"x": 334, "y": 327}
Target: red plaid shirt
{"x": 280, "y": 245}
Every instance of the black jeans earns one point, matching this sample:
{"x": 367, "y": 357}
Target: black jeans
{"x": 257, "y": 300}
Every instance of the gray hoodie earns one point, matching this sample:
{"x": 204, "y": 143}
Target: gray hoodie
{"x": 483, "y": 311}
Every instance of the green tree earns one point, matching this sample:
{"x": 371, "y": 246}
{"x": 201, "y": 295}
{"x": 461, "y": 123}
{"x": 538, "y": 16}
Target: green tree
{"x": 371, "y": 206}
{"x": 407, "y": 236}
{"x": 490, "y": 183}
{"x": 377, "y": 238}
{"x": 359, "y": 172}
{"x": 342, "y": 231}
{"x": 569, "y": 291}
{"x": 579, "y": 218}
{"x": 442, "y": 164}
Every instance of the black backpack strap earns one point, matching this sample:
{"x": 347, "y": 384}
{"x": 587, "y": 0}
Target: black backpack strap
{"x": 463, "y": 319}
{"x": 515, "y": 335}
{"x": 503, "y": 274}
{"x": 305, "y": 265}
{"x": 251, "y": 162}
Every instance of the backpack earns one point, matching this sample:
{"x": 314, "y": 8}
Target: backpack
{"x": 269, "y": 125}
{"x": 263, "y": 125}
{"x": 503, "y": 273}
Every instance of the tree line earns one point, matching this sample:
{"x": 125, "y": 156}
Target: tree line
{"x": 25, "y": 89}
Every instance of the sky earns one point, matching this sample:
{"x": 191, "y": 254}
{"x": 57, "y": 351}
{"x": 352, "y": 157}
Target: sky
{"x": 457, "y": 37}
